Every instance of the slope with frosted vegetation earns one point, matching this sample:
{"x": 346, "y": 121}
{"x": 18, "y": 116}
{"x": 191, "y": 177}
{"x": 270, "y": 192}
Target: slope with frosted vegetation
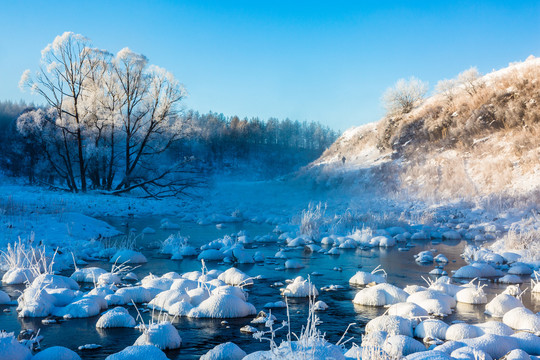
{"x": 476, "y": 136}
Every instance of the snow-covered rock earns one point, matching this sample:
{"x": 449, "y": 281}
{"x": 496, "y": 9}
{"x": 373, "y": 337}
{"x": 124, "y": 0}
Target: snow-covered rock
{"x": 139, "y": 352}
{"x": 320, "y": 306}
{"x": 129, "y": 257}
{"x": 398, "y": 346}
{"x": 117, "y": 317}
{"x": 432, "y": 328}
{"x": 222, "y": 306}
{"x": 88, "y": 275}
{"x": 300, "y": 288}
{"x": 136, "y": 294}
{"x": 233, "y": 276}
{"x": 460, "y": 331}
{"x": 434, "y": 302}
{"x": 471, "y": 295}
{"x": 56, "y": 353}
{"x": 363, "y": 278}
{"x": 181, "y": 308}
{"x": 391, "y": 324}
{"x": 226, "y": 351}
{"x": 164, "y": 300}
{"x": 501, "y": 304}
{"x": 380, "y": 295}
{"x": 469, "y": 353}
{"x": 11, "y": 349}
{"x": 407, "y": 310}
{"x": 521, "y": 318}
{"x": 162, "y": 335}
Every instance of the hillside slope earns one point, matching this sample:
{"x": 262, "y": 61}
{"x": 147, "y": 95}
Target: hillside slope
{"x": 469, "y": 144}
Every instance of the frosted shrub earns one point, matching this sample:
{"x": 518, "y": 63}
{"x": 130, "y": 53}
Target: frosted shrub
{"x": 526, "y": 239}
{"x": 312, "y": 220}
{"x": 404, "y": 95}
{"x": 310, "y": 344}
{"x": 24, "y": 262}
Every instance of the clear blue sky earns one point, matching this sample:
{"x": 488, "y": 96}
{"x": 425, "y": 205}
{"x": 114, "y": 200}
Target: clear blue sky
{"x": 326, "y": 61}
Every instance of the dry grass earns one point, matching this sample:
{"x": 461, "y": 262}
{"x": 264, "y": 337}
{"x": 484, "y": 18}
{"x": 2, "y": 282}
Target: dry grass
{"x": 478, "y": 144}
{"x": 474, "y": 138}
{"x": 525, "y": 238}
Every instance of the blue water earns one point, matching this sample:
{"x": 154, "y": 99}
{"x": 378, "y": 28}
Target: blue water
{"x": 200, "y": 335}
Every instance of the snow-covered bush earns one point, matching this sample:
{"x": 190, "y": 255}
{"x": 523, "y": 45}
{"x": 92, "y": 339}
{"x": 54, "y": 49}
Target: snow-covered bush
{"x": 312, "y": 220}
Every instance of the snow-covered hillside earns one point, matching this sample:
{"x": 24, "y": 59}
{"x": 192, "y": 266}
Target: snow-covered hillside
{"x": 476, "y": 145}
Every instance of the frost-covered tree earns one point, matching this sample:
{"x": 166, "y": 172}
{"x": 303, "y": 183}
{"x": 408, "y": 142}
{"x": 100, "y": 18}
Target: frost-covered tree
{"x": 66, "y": 64}
{"x": 471, "y": 81}
{"x": 110, "y": 120}
{"x": 149, "y": 124}
{"x": 404, "y": 95}
{"x": 448, "y": 88}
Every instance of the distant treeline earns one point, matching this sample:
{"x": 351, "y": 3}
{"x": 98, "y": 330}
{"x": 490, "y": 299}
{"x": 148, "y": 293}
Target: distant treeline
{"x": 250, "y": 148}
{"x": 267, "y": 148}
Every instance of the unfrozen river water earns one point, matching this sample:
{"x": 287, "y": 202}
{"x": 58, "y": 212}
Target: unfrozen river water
{"x": 200, "y": 335}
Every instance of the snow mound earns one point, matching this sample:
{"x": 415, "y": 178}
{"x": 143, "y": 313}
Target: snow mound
{"x": 462, "y": 331}
{"x": 523, "y": 319}
{"x": 114, "y": 318}
{"x": 157, "y": 283}
{"x": 528, "y": 342}
{"x": 363, "y": 278}
{"x": 141, "y": 352}
{"x": 55, "y": 282}
{"x": 235, "y": 277}
{"x": 495, "y": 328}
{"x": 164, "y": 300}
{"x": 472, "y": 295}
{"x": 391, "y": 324}
{"x": 184, "y": 284}
{"x": 320, "y": 306}
{"x": 88, "y": 275}
{"x": 306, "y": 349}
{"x": 432, "y": 328}
{"x": 407, "y": 310}
{"x": 434, "y": 302}
{"x": 469, "y": 353}
{"x": 162, "y": 335}
{"x": 56, "y": 353}
{"x": 129, "y": 257}
{"x": 230, "y": 290}
{"x": 468, "y": 272}
{"x": 502, "y": 304}
{"x": 11, "y": 349}
{"x": 300, "y": 288}
{"x": 510, "y": 279}
{"x": 89, "y": 305}
{"x": 181, "y": 308}
{"x": 222, "y": 306}
{"x": 496, "y": 346}
{"x": 226, "y": 351}
{"x": 517, "y": 354}
{"x": 17, "y": 276}
{"x": 380, "y": 295}
{"x": 429, "y": 355}
{"x": 4, "y": 298}
{"x": 398, "y": 346}
{"x": 137, "y": 294}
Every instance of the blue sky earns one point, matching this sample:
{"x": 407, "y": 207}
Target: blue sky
{"x": 324, "y": 61}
